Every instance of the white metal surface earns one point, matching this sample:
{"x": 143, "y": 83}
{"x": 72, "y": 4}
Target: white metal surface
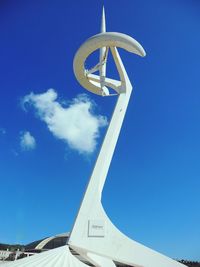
{"x": 58, "y": 257}
{"x": 93, "y": 235}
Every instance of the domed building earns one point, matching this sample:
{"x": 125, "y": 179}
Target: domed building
{"x": 47, "y": 243}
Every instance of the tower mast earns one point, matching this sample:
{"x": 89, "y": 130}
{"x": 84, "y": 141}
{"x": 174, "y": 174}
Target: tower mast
{"x": 93, "y": 235}
{"x": 103, "y": 52}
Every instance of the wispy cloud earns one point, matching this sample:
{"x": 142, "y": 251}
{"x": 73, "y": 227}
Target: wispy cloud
{"x": 27, "y": 141}
{"x": 74, "y": 123}
{"x": 2, "y": 131}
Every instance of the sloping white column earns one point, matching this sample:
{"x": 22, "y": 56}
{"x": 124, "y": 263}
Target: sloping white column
{"x": 93, "y": 232}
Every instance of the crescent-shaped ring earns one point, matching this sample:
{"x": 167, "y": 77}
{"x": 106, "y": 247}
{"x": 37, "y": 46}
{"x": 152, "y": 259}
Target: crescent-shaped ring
{"x": 107, "y": 39}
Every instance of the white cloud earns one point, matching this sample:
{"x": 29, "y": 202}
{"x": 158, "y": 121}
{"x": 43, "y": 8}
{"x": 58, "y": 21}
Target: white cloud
{"x": 27, "y": 141}
{"x": 74, "y": 123}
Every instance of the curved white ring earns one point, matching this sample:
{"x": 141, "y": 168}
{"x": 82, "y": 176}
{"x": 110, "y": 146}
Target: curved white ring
{"x": 107, "y": 39}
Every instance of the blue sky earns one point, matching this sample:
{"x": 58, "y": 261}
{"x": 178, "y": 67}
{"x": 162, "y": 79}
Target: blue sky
{"x": 152, "y": 190}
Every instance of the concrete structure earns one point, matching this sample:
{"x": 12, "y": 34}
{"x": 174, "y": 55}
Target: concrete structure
{"x": 93, "y": 235}
{"x": 4, "y": 254}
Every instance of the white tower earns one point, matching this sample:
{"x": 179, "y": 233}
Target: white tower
{"x": 93, "y": 235}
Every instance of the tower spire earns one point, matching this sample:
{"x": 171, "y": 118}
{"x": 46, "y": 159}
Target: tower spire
{"x": 103, "y": 52}
{"x": 103, "y": 21}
